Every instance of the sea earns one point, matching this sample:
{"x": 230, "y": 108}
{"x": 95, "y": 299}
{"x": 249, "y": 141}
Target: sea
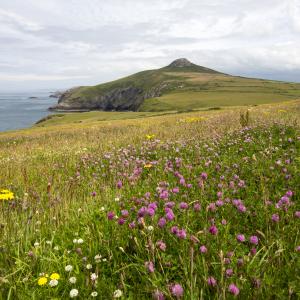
{"x": 18, "y": 110}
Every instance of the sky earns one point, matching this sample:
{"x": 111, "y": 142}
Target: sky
{"x": 58, "y": 44}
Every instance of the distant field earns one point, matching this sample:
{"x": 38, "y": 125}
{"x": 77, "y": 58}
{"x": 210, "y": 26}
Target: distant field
{"x": 203, "y": 91}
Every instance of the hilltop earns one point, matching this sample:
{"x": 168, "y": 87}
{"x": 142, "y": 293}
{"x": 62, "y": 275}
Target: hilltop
{"x": 180, "y": 86}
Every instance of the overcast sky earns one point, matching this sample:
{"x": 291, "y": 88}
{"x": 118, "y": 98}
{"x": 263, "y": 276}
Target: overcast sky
{"x": 62, "y": 43}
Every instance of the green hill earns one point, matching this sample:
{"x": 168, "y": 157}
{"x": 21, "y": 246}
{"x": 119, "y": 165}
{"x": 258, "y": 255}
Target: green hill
{"x": 180, "y": 86}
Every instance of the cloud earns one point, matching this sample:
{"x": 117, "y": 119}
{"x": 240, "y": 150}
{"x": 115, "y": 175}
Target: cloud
{"x": 92, "y": 41}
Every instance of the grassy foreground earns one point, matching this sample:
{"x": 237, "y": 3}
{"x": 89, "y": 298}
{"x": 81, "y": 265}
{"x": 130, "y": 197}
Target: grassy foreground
{"x": 191, "y": 206}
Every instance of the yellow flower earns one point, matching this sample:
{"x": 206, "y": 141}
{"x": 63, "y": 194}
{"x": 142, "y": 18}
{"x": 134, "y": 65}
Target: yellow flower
{"x": 150, "y": 136}
{"x": 42, "y": 281}
{"x": 147, "y": 166}
{"x": 54, "y": 276}
{"x": 6, "y": 195}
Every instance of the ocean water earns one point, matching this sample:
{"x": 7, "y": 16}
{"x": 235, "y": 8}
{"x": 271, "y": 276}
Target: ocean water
{"x": 17, "y": 110}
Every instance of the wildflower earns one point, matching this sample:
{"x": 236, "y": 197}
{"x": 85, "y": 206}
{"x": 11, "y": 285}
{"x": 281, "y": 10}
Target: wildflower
{"x": 211, "y": 281}
{"x": 94, "y": 276}
{"x": 150, "y": 136}
{"x": 6, "y": 195}
{"x": 177, "y": 290}
{"x": 79, "y": 241}
{"x": 275, "y": 218}
{"x": 149, "y": 266}
{"x": 233, "y": 289}
{"x": 183, "y": 205}
{"x": 42, "y": 281}
{"x": 158, "y": 295}
{"x": 150, "y": 228}
{"x": 253, "y": 251}
{"x": 213, "y": 230}
{"x": 197, "y": 206}
{"x": 297, "y": 214}
{"x": 94, "y": 294}
{"x": 162, "y": 222}
{"x": 53, "y": 282}
{"x": 89, "y": 266}
{"x": 229, "y": 272}
{"x": 203, "y": 249}
{"x": 181, "y": 233}
{"x": 240, "y": 238}
{"x": 254, "y": 239}
{"x": 72, "y": 280}
{"x": 54, "y": 276}
{"x": 36, "y": 244}
{"x": 147, "y": 166}
{"x": 161, "y": 245}
{"x": 97, "y": 258}
{"x": 117, "y": 294}
{"x": 119, "y": 184}
{"x": 110, "y": 215}
{"x": 298, "y": 248}
{"x": 68, "y": 268}
{"x": 74, "y": 293}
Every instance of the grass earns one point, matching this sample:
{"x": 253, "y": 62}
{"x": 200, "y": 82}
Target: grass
{"x": 69, "y": 178}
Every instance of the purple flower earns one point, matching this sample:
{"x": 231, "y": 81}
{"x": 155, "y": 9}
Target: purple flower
{"x": 213, "y": 230}
{"x": 150, "y": 211}
{"x": 297, "y": 214}
{"x": 240, "y": 238}
{"x": 204, "y": 175}
{"x": 197, "y": 206}
{"x": 119, "y": 184}
{"x": 240, "y": 262}
{"x": 177, "y": 290}
{"x": 289, "y": 193}
{"x": 181, "y": 233}
{"x": 132, "y": 225}
{"x": 229, "y": 272}
{"x": 298, "y": 248}
{"x": 233, "y": 289}
{"x": 149, "y": 266}
{"x": 223, "y": 222}
{"x": 175, "y": 190}
{"x": 161, "y": 245}
{"x": 253, "y": 251}
{"x": 253, "y": 239}
{"x": 275, "y": 218}
{"x": 158, "y": 295}
{"x": 183, "y": 205}
{"x": 121, "y": 221}
{"x": 110, "y": 215}
{"x": 170, "y": 215}
{"x": 203, "y": 249}
{"x": 174, "y": 229}
{"x": 211, "y": 281}
{"x": 124, "y": 213}
{"x": 94, "y": 194}
{"x": 162, "y": 222}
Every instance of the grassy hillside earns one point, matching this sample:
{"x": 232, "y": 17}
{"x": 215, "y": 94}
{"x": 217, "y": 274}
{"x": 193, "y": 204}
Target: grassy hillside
{"x": 197, "y": 205}
{"x": 178, "y": 88}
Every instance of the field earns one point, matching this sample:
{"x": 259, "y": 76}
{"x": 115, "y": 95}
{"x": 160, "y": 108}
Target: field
{"x": 200, "y": 91}
{"x": 198, "y": 205}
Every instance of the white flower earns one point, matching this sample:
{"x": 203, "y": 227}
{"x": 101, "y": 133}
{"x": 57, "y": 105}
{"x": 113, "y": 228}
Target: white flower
{"x": 102, "y": 208}
{"x": 74, "y": 293}
{"x": 72, "y": 280}
{"x": 75, "y": 241}
{"x": 53, "y": 282}
{"x": 68, "y": 268}
{"x": 36, "y": 244}
{"x": 150, "y": 228}
{"x": 94, "y": 294}
{"x": 94, "y": 276}
{"x": 80, "y": 241}
{"x": 89, "y": 266}
{"x": 56, "y": 248}
{"x": 118, "y": 294}
{"x": 117, "y": 199}
{"x": 104, "y": 259}
{"x": 97, "y": 258}
{"x": 48, "y": 242}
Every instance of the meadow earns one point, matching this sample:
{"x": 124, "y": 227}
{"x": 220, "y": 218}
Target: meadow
{"x": 199, "y": 205}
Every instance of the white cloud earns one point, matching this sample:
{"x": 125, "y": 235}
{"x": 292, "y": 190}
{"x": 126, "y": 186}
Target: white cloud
{"x": 93, "y": 41}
